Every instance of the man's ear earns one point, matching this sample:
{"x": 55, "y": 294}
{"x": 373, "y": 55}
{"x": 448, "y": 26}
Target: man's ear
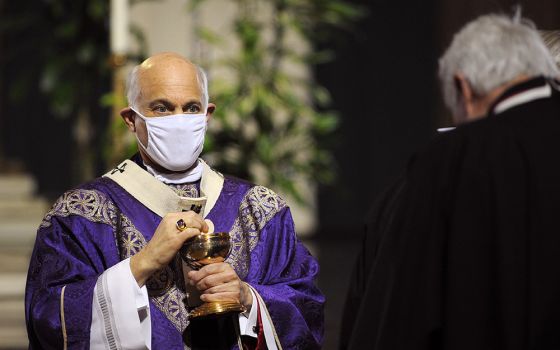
{"x": 128, "y": 116}
{"x": 466, "y": 92}
{"x": 463, "y": 87}
{"x": 211, "y": 108}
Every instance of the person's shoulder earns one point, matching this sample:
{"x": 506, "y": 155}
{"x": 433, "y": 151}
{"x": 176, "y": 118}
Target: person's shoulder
{"x": 453, "y": 151}
{"x": 264, "y": 196}
{"x": 96, "y": 187}
{"x": 88, "y": 201}
{"x": 260, "y": 205}
{"x": 252, "y": 190}
{"x": 464, "y": 137}
{"x": 441, "y": 147}
{"x": 235, "y": 181}
{"x": 256, "y": 197}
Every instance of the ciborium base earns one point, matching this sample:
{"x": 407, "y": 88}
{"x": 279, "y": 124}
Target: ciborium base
{"x": 216, "y": 308}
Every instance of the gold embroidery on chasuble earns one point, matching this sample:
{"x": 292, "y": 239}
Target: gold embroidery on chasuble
{"x": 257, "y": 208}
{"x": 131, "y": 241}
{"x": 95, "y": 206}
{"x": 89, "y": 204}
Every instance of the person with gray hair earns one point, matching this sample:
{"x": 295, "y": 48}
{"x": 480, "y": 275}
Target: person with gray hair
{"x": 463, "y": 253}
{"x": 485, "y": 58}
{"x": 111, "y": 268}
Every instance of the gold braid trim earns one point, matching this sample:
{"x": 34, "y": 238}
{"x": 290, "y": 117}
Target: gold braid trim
{"x": 62, "y": 321}
{"x": 257, "y": 208}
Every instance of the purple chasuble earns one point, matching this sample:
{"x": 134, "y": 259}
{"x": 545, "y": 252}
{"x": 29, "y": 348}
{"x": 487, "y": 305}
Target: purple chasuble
{"x": 95, "y": 226}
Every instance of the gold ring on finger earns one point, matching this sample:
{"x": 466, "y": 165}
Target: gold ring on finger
{"x": 181, "y": 225}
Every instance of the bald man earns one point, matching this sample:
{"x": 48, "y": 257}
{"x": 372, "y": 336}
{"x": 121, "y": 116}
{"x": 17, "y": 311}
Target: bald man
{"x": 105, "y": 271}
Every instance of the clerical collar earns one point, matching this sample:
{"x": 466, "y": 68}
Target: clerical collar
{"x": 522, "y": 93}
{"x": 192, "y": 175}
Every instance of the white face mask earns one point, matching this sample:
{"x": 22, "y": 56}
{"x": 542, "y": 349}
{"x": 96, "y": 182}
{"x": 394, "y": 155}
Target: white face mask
{"x": 174, "y": 141}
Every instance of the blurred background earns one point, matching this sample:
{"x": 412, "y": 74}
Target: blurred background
{"x": 321, "y": 100}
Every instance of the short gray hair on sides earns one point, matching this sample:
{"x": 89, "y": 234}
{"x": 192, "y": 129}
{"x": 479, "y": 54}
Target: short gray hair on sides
{"x": 133, "y": 92}
{"x": 551, "y": 39}
{"x": 491, "y": 51}
{"x": 202, "y": 79}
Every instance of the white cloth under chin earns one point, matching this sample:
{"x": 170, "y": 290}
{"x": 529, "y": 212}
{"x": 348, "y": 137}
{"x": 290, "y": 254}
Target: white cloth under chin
{"x": 191, "y": 175}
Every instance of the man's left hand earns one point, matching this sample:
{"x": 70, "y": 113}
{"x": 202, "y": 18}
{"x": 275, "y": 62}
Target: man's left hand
{"x": 219, "y": 282}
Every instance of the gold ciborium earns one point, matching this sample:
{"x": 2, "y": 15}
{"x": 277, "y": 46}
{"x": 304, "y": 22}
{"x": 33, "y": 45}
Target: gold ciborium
{"x": 204, "y": 249}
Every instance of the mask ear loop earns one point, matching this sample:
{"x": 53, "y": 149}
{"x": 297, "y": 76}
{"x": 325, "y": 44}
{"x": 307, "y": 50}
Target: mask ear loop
{"x": 137, "y": 113}
{"x": 145, "y": 148}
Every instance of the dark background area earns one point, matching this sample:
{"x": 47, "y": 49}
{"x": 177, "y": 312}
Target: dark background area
{"x": 383, "y": 83}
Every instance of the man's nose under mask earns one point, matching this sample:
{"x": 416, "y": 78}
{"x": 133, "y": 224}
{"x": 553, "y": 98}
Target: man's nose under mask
{"x": 174, "y": 141}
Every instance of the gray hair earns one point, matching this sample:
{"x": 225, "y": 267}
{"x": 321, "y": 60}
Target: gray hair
{"x": 492, "y": 51}
{"x": 551, "y": 39}
{"x": 133, "y": 92}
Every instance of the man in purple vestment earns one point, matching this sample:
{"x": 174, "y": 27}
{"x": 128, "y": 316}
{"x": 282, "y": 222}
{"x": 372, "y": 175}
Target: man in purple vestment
{"x": 104, "y": 273}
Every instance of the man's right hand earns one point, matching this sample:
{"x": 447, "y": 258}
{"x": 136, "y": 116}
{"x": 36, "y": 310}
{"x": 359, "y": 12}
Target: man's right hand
{"x": 165, "y": 243}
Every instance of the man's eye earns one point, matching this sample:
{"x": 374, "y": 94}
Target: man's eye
{"x": 160, "y": 109}
{"x": 193, "y": 109}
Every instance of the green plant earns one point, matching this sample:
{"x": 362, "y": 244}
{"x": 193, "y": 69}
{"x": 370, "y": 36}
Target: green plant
{"x": 269, "y": 120}
{"x": 68, "y": 40}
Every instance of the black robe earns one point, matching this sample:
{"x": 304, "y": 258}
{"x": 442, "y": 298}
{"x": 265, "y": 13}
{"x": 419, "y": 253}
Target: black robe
{"x": 464, "y": 252}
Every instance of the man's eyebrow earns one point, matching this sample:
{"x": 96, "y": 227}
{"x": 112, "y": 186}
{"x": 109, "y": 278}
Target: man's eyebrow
{"x": 163, "y": 101}
{"x": 192, "y": 101}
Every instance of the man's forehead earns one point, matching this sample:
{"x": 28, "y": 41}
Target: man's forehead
{"x": 172, "y": 79}
{"x": 180, "y": 74}
{"x": 171, "y": 83}
{"x": 167, "y": 64}
{"x": 176, "y": 93}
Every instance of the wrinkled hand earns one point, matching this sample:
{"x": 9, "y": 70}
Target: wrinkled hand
{"x": 219, "y": 282}
{"x": 165, "y": 243}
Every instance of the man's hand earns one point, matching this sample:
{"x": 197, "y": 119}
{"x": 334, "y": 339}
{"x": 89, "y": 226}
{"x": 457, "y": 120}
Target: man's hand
{"x": 219, "y": 282}
{"x": 165, "y": 243}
